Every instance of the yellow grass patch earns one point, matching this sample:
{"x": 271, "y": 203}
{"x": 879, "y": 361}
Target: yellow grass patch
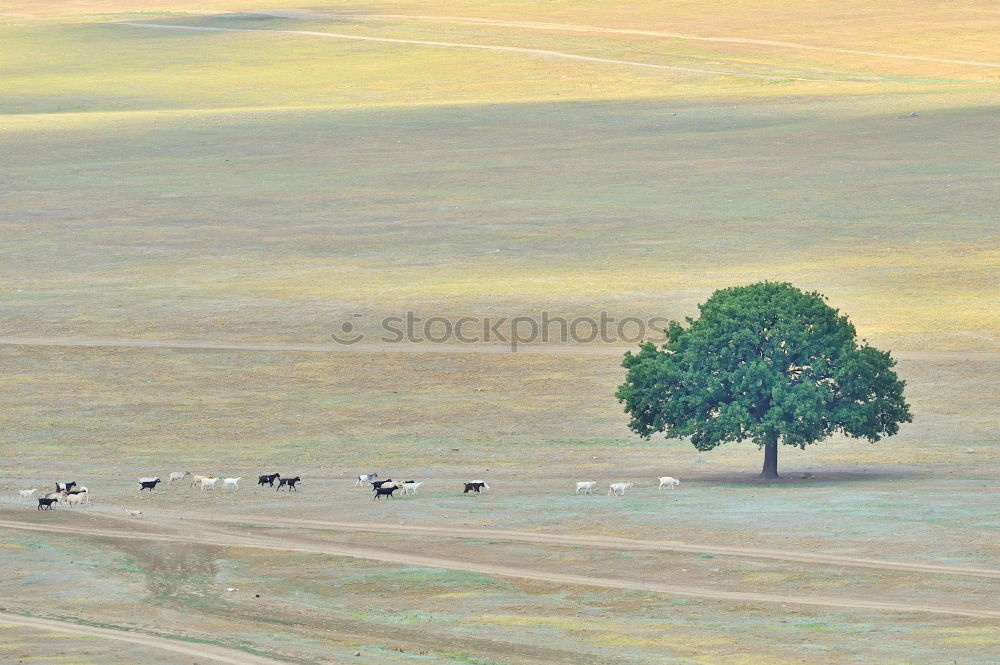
{"x": 970, "y": 636}
{"x": 457, "y": 594}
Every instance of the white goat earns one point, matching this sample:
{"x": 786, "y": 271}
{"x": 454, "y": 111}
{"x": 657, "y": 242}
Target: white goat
{"x": 231, "y": 482}
{"x": 669, "y": 482}
{"x": 196, "y": 480}
{"x": 27, "y": 494}
{"x": 177, "y": 475}
{"x": 209, "y": 483}
{"x": 133, "y": 513}
{"x": 618, "y": 489}
{"x": 587, "y": 486}
{"x": 81, "y": 492}
{"x": 411, "y": 488}
{"x": 74, "y": 499}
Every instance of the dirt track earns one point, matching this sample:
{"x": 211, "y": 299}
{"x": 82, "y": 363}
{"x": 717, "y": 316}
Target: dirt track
{"x": 488, "y": 47}
{"x": 541, "y": 349}
{"x": 567, "y": 27}
{"x": 532, "y": 25}
{"x": 214, "y": 535}
{"x": 626, "y": 545}
{"x": 202, "y": 651}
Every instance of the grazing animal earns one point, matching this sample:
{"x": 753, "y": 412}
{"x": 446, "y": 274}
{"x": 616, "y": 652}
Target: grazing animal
{"x": 55, "y": 495}
{"x": 231, "y": 482}
{"x": 27, "y": 494}
{"x": 475, "y": 486}
{"x": 74, "y": 499}
{"x": 209, "y": 483}
{"x": 378, "y": 483}
{"x": 196, "y": 480}
{"x": 385, "y": 491}
{"x": 268, "y": 479}
{"x": 587, "y": 486}
{"x": 669, "y": 482}
{"x": 82, "y": 492}
{"x": 177, "y": 475}
{"x": 365, "y": 478}
{"x": 290, "y": 482}
{"x": 133, "y": 513}
{"x": 65, "y": 487}
{"x": 410, "y": 487}
{"x": 618, "y": 489}
{"x": 45, "y": 503}
{"x": 148, "y": 484}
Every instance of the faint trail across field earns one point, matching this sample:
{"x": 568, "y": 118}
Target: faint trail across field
{"x": 615, "y": 543}
{"x": 492, "y": 349}
{"x": 201, "y": 652}
{"x": 488, "y": 47}
{"x": 565, "y": 27}
{"x": 287, "y": 543}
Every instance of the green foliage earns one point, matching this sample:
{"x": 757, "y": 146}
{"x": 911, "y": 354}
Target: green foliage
{"x": 764, "y": 362}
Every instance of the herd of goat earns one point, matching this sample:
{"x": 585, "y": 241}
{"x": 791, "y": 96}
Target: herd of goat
{"x": 73, "y": 494}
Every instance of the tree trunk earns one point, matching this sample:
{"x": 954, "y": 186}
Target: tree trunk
{"x": 770, "y": 470}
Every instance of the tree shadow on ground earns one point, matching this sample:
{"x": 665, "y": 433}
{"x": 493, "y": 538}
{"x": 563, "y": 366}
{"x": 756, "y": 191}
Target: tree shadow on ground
{"x": 807, "y": 477}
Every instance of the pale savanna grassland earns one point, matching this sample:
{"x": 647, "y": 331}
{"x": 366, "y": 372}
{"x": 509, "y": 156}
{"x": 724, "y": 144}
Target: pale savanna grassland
{"x": 245, "y": 187}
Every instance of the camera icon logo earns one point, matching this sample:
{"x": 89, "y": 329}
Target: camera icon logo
{"x": 347, "y": 332}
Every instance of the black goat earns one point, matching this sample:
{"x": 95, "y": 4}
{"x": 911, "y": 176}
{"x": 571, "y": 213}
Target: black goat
{"x": 474, "y": 487}
{"x": 45, "y": 503}
{"x": 148, "y": 484}
{"x": 269, "y": 479}
{"x": 290, "y": 482}
{"x": 385, "y": 491}
{"x": 65, "y": 487}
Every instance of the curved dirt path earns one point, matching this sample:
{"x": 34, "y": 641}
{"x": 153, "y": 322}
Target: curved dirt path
{"x": 216, "y": 537}
{"x": 611, "y": 542}
{"x": 568, "y": 27}
{"x": 490, "y": 349}
{"x": 201, "y": 651}
{"x": 311, "y": 348}
{"x": 500, "y": 49}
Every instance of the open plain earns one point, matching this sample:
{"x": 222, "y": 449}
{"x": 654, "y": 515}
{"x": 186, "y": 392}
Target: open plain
{"x": 194, "y": 195}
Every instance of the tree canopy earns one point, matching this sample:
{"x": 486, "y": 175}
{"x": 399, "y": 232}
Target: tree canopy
{"x": 766, "y": 363}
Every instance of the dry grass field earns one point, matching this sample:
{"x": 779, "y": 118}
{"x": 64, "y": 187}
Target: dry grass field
{"x": 254, "y": 173}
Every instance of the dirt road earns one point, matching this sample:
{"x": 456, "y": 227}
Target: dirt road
{"x": 488, "y": 47}
{"x": 218, "y": 536}
{"x": 563, "y": 27}
{"x": 494, "y": 349}
{"x": 620, "y": 544}
{"x": 202, "y": 651}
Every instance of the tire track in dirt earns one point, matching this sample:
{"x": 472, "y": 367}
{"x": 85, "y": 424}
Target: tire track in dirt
{"x": 489, "y": 349}
{"x": 500, "y": 49}
{"x": 202, "y": 651}
{"x": 614, "y": 543}
{"x": 567, "y": 27}
{"x": 205, "y": 345}
{"x": 220, "y": 538}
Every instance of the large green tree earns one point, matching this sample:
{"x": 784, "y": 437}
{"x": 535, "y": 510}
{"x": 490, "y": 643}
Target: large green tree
{"x": 766, "y": 363}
